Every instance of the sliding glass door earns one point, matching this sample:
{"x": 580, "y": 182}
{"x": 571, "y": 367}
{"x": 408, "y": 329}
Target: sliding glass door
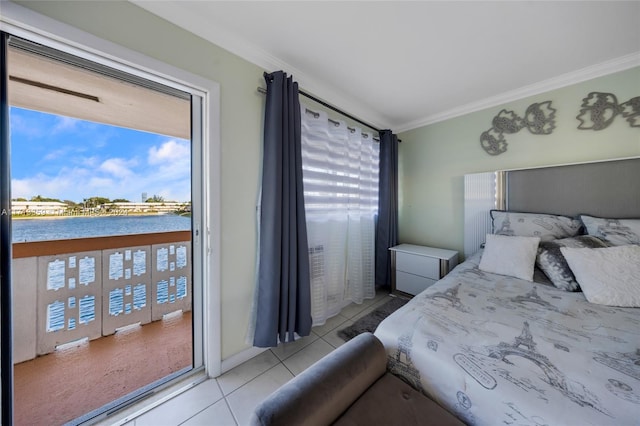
{"x": 6, "y": 329}
{"x": 102, "y": 194}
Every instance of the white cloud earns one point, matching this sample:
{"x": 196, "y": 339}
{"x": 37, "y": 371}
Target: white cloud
{"x": 75, "y": 159}
{"x": 170, "y": 152}
{"x": 91, "y": 162}
{"x": 78, "y": 183}
{"x": 69, "y": 184}
{"x": 64, "y": 124}
{"x": 21, "y": 125}
{"x": 168, "y": 174}
{"x": 101, "y": 184}
{"x": 118, "y": 167}
{"x": 63, "y": 186}
{"x": 54, "y": 155}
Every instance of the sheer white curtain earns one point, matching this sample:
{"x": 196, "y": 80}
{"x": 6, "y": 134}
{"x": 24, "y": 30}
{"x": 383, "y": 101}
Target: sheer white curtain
{"x": 340, "y": 176}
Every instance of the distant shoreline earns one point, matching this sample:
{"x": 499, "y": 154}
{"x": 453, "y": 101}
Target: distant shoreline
{"x": 57, "y": 216}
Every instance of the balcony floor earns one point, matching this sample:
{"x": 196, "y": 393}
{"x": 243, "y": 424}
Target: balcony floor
{"x": 61, "y": 386}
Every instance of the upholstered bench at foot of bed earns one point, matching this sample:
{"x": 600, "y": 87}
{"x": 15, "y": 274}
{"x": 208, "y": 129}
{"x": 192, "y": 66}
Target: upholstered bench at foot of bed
{"x": 350, "y": 386}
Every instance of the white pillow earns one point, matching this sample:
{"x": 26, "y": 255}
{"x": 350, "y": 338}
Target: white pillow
{"x": 618, "y": 232}
{"x": 607, "y": 276}
{"x": 513, "y": 256}
{"x": 546, "y": 226}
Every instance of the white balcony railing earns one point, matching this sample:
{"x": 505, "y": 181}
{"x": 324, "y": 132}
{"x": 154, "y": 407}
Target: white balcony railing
{"x": 68, "y": 290}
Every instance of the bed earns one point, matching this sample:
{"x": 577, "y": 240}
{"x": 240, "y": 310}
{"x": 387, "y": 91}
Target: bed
{"x": 513, "y": 348}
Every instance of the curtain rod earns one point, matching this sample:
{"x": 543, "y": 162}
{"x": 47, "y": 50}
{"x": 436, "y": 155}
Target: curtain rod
{"x": 331, "y": 107}
{"x": 337, "y": 123}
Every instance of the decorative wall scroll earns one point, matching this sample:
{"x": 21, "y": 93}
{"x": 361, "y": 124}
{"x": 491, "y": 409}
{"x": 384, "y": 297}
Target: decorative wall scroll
{"x": 599, "y": 109}
{"x": 539, "y": 118}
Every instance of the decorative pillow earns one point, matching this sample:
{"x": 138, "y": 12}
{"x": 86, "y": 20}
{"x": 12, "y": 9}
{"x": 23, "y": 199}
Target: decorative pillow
{"x": 608, "y": 276}
{"x": 547, "y": 227}
{"x": 553, "y": 264}
{"x": 539, "y": 277}
{"x": 513, "y": 256}
{"x": 618, "y": 232}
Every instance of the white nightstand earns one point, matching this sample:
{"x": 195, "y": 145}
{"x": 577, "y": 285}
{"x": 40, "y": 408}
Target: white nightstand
{"x": 414, "y": 268}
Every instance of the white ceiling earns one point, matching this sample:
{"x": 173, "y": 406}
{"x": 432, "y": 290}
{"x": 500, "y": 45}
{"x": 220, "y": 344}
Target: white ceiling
{"x": 402, "y": 65}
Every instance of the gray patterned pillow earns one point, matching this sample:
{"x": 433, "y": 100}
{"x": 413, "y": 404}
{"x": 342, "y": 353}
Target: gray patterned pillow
{"x": 618, "y": 232}
{"x": 554, "y": 265}
{"x": 547, "y": 227}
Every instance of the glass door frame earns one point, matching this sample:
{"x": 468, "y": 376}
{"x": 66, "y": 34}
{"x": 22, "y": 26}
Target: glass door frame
{"x": 6, "y": 320}
{"x": 206, "y": 190}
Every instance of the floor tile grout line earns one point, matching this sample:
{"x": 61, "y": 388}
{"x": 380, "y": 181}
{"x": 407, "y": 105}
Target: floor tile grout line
{"x": 320, "y": 339}
{"x": 235, "y": 418}
{"x": 231, "y": 411}
{"x": 220, "y": 387}
{"x": 203, "y": 409}
{"x": 212, "y": 404}
{"x": 200, "y": 411}
{"x": 330, "y": 344}
{"x": 341, "y": 323}
{"x": 288, "y": 369}
{"x": 253, "y": 378}
{"x": 338, "y": 328}
{"x": 246, "y": 383}
{"x": 368, "y": 304}
{"x": 292, "y": 354}
{"x": 281, "y": 362}
{"x": 224, "y": 397}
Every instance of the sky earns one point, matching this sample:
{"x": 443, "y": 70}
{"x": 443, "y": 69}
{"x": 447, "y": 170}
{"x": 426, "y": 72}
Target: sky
{"x": 70, "y": 159}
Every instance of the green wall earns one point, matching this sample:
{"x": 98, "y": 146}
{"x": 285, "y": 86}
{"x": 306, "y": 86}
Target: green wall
{"x": 242, "y": 110}
{"x": 434, "y": 159}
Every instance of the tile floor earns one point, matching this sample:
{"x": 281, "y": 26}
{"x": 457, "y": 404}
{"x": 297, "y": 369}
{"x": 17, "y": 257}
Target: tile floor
{"x": 231, "y": 398}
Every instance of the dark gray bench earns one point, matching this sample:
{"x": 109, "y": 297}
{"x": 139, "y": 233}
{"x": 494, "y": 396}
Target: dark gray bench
{"x": 350, "y": 386}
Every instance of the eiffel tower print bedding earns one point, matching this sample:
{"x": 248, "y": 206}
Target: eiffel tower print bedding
{"x": 494, "y": 349}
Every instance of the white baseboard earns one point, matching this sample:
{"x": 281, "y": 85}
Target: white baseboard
{"x": 239, "y": 358}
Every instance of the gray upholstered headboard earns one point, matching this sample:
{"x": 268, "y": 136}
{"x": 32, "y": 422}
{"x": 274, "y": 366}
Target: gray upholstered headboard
{"x": 605, "y": 189}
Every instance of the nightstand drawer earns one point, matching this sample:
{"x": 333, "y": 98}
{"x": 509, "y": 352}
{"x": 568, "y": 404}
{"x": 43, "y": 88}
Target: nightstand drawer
{"x": 428, "y": 267}
{"x": 414, "y": 268}
{"x": 412, "y": 284}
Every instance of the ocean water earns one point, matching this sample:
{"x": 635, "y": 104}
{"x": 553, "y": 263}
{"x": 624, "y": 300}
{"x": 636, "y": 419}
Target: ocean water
{"x": 27, "y": 230}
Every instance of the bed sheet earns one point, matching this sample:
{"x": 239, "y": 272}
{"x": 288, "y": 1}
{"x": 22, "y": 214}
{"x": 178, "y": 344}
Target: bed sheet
{"x": 495, "y": 350}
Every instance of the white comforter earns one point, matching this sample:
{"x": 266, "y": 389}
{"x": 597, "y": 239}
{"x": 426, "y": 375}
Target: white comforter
{"x": 499, "y": 350}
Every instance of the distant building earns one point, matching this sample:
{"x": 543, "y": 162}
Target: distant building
{"x": 38, "y": 208}
{"x": 165, "y": 206}
{"x": 53, "y": 208}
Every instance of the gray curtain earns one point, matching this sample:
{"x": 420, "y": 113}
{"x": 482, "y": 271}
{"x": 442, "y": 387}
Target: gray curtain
{"x": 387, "y": 226}
{"x": 284, "y": 292}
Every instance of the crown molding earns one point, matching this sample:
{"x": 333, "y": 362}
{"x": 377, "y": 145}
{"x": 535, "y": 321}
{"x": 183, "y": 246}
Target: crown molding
{"x": 604, "y": 68}
{"x": 257, "y": 56}
{"x": 326, "y": 92}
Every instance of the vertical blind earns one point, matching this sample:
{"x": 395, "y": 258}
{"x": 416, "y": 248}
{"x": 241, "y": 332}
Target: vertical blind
{"x": 340, "y": 176}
